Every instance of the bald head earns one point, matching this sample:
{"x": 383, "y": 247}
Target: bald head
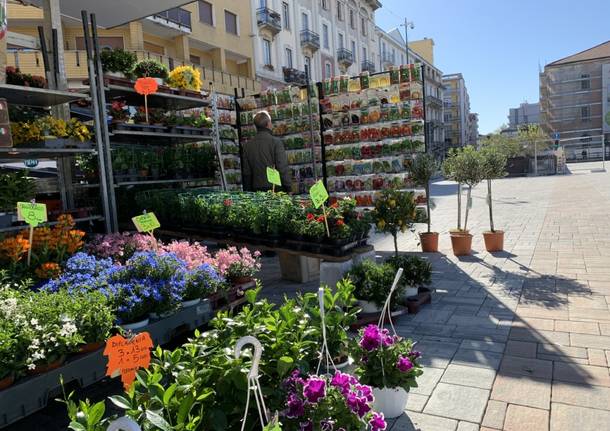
{"x": 262, "y": 120}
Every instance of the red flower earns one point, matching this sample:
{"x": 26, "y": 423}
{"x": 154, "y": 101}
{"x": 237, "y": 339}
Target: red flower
{"x": 320, "y": 219}
{"x": 228, "y": 202}
{"x": 340, "y": 222}
{"x": 310, "y": 216}
{"x": 335, "y": 205}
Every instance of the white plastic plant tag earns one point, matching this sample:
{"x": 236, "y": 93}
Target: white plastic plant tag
{"x": 469, "y": 202}
{"x": 124, "y": 424}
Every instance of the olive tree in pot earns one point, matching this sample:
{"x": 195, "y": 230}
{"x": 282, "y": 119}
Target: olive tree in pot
{"x": 493, "y": 165}
{"x": 465, "y": 167}
{"x": 422, "y": 170}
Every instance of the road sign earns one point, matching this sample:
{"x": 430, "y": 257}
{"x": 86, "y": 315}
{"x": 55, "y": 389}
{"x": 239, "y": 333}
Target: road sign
{"x": 556, "y": 135}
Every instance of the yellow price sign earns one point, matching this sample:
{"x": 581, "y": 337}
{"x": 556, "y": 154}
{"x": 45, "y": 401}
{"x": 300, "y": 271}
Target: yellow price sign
{"x": 146, "y": 222}
{"x": 32, "y": 213}
{"x": 318, "y": 194}
{"x": 273, "y": 176}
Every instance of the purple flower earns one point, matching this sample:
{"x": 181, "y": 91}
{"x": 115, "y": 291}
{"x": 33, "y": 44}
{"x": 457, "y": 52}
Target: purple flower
{"x": 404, "y": 364}
{"x": 343, "y": 382}
{"x": 415, "y": 354}
{"x": 327, "y": 425}
{"x": 291, "y": 383}
{"x": 314, "y": 389}
{"x": 377, "y": 422}
{"x": 358, "y": 404}
{"x": 306, "y": 426}
{"x": 387, "y": 339}
{"x": 371, "y": 338}
{"x": 296, "y": 407}
{"x": 365, "y": 391}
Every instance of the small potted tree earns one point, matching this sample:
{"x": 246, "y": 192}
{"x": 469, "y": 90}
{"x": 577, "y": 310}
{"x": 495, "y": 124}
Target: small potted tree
{"x": 151, "y": 69}
{"x": 494, "y": 163}
{"x": 395, "y": 211}
{"x": 118, "y": 62}
{"x": 423, "y": 169}
{"x": 464, "y": 167}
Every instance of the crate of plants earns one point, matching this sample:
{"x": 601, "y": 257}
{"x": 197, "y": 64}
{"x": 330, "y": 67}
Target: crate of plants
{"x": 51, "y": 132}
{"x": 197, "y": 124}
{"x": 14, "y": 187}
{"x": 186, "y": 81}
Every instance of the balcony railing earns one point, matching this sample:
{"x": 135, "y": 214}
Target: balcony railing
{"x": 368, "y": 66}
{"x": 269, "y": 19}
{"x": 296, "y": 76}
{"x": 434, "y": 101}
{"x": 175, "y": 17}
{"x": 345, "y": 57}
{"x": 388, "y": 57}
{"x": 310, "y": 39}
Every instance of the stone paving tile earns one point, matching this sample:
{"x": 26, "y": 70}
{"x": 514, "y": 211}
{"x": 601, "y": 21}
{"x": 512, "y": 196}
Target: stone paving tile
{"x": 427, "y": 381}
{"x": 537, "y": 336}
{"x": 490, "y": 346}
{"x": 526, "y": 367}
{"x": 412, "y": 421}
{"x": 569, "y": 418}
{"x": 494, "y": 414}
{"x": 416, "y": 402}
{"x": 469, "y": 376}
{"x": 604, "y": 328}
{"x": 520, "y": 418}
{"x": 458, "y": 402}
{"x": 467, "y": 426}
{"x": 558, "y": 350}
{"x": 522, "y": 390}
{"x": 436, "y": 355}
{"x": 594, "y": 341}
{"x": 596, "y": 302}
{"x": 597, "y": 357}
{"x": 522, "y": 349}
{"x": 577, "y": 327}
{"x": 589, "y": 314}
{"x": 533, "y": 323}
{"x": 582, "y": 374}
{"x": 476, "y": 358}
{"x": 596, "y": 397}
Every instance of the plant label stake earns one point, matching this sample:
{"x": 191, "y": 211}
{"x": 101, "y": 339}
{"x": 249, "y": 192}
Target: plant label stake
{"x": 273, "y": 176}
{"x": 126, "y": 356}
{"x": 33, "y": 214}
{"x": 319, "y": 195}
{"x": 147, "y": 223}
{"x": 324, "y": 352}
{"x": 253, "y": 383}
{"x": 146, "y": 86}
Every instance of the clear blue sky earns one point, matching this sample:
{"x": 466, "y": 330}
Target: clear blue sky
{"x": 498, "y": 44}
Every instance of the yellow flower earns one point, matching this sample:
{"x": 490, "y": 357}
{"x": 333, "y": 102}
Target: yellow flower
{"x": 381, "y": 224}
{"x": 185, "y": 77}
{"x": 392, "y": 203}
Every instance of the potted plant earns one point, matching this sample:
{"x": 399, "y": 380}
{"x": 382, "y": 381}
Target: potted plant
{"x": 394, "y": 212}
{"x": 152, "y": 69}
{"x": 118, "y": 111}
{"x": 494, "y": 163}
{"x": 389, "y": 364}
{"x": 14, "y": 187}
{"x": 417, "y": 272}
{"x": 93, "y": 318}
{"x": 185, "y": 78}
{"x": 423, "y": 168}
{"x": 238, "y": 266}
{"x": 372, "y": 284}
{"x": 117, "y": 62}
{"x": 201, "y": 282}
{"x": 464, "y": 166}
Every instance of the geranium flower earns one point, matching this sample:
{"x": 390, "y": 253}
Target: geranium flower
{"x": 296, "y": 407}
{"x": 371, "y": 338}
{"x": 377, "y": 422}
{"x": 343, "y": 381}
{"x": 310, "y": 216}
{"x": 404, "y": 364}
{"x": 314, "y": 389}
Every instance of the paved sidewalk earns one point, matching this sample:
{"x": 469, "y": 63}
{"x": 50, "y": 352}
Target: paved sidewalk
{"x": 519, "y": 340}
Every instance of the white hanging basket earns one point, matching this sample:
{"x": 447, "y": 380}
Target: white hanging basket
{"x": 392, "y": 402}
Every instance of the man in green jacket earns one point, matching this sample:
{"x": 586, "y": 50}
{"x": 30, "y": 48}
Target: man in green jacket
{"x": 264, "y": 151}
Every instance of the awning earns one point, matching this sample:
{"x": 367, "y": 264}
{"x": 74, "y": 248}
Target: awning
{"x": 112, "y": 13}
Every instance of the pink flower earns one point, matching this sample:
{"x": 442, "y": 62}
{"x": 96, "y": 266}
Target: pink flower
{"x": 377, "y": 422}
{"x": 314, "y": 389}
{"x": 233, "y": 263}
{"x": 194, "y": 254}
{"x": 371, "y": 338}
{"x": 404, "y": 364}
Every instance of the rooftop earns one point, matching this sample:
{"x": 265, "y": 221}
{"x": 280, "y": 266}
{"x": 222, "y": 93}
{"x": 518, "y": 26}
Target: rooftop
{"x": 597, "y": 52}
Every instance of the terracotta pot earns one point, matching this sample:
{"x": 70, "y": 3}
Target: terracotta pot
{"x": 40, "y": 369}
{"x": 90, "y": 347}
{"x": 494, "y": 241}
{"x": 429, "y": 242}
{"x": 461, "y": 243}
{"x": 7, "y": 381}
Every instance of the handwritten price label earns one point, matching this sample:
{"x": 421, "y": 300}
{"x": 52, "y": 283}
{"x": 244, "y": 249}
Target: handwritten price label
{"x": 273, "y": 176}
{"x": 33, "y": 214}
{"x": 146, "y": 222}
{"x": 318, "y": 194}
{"x": 127, "y": 356}
{"x": 146, "y": 86}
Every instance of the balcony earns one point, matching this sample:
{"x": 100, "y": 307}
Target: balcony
{"x": 388, "y": 59}
{"x": 176, "y": 19}
{"x": 295, "y": 76}
{"x": 310, "y": 40}
{"x": 434, "y": 101}
{"x": 268, "y": 19}
{"x": 368, "y": 66}
{"x": 345, "y": 57}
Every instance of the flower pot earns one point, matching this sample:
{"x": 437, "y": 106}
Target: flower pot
{"x": 241, "y": 280}
{"x": 429, "y": 242}
{"x": 494, "y": 241}
{"x": 115, "y": 74}
{"x": 7, "y": 381}
{"x": 392, "y": 402}
{"x": 411, "y": 291}
{"x": 135, "y": 325}
{"x": 90, "y": 347}
{"x": 159, "y": 316}
{"x": 190, "y": 302}
{"x": 369, "y": 307}
{"x": 43, "y": 368}
{"x": 461, "y": 243}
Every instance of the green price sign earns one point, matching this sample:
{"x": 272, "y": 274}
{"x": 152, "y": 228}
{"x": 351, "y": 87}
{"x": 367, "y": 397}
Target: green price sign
{"x": 273, "y": 176}
{"x": 33, "y": 214}
{"x": 146, "y": 222}
{"x": 318, "y": 194}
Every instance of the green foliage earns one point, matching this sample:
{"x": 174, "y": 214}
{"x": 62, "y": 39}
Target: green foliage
{"x": 15, "y": 187}
{"x": 373, "y": 281}
{"x": 395, "y": 211}
{"x": 533, "y": 138}
{"x": 416, "y": 271}
{"x": 493, "y": 163}
{"x": 150, "y": 68}
{"x": 423, "y": 168}
{"x": 503, "y": 143}
{"x": 118, "y": 60}
{"x": 464, "y": 166}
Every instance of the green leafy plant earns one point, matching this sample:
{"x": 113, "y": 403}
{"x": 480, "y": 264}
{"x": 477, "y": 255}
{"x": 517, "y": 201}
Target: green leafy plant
{"x": 15, "y": 187}
{"x": 423, "y": 168}
{"x": 395, "y": 212}
{"x": 416, "y": 271}
{"x": 373, "y": 281}
{"x": 150, "y": 68}
{"x": 118, "y": 60}
{"x": 494, "y": 164}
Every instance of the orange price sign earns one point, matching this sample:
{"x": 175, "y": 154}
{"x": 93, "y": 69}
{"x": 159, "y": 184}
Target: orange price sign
{"x": 127, "y": 355}
{"x": 146, "y": 86}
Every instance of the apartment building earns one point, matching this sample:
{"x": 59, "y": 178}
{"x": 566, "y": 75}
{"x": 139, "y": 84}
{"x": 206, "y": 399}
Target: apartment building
{"x": 456, "y": 103}
{"x": 392, "y": 52}
{"x": 324, "y": 37}
{"x": 574, "y": 103}
{"x": 212, "y": 35}
{"x": 525, "y": 114}
{"x": 472, "y": 128}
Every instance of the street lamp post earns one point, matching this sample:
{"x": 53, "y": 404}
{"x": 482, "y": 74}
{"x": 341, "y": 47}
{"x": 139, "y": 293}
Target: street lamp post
{"x": 407, "y": 25}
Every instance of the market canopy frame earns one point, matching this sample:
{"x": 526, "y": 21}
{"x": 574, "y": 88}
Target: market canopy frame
{"x": 113, "y": 13}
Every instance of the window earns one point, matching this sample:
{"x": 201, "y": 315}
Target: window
{"x": 585, "y": 84}
{"x": 286, "y": 15}
{"x": 105, "y": 42}
{"x": 206, "y": 14}
{"x": 308, "y": 66}
{"x": 262, "y": 3}
{"x": 393, "y": 55}
{"x": 585, "y": 113}
{"x": 364, "y": 53}
{"x": 352, "y": 19}
{"x": 354, "y": 48}
{"x": 363, "y": 25}
{"x": 154, "y": 48}
{"x": 340, "y": 11}
{"x": 230, "y": 22}
{"x": 195, "y": 59}
{"x": 267, "y": 52}
{"x": 289, "y": 58}
{"x": 383, "y": 49}
{"x": 341, "y": 42}
{"x": 325, "y": 36}
{"x": 402, "y": 59}
{"x": 327, "y": 71}
{"x": 325, "y": 4}
{"x": 304, "y": 21}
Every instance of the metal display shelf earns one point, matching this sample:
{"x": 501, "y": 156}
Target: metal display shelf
{"x": 176, "y": 181}
{"x": 51, "y": 223}
{"x": 170, "y": 102}
{"x": 23, "y": 152}
{"x": 133, "y": 134}
{"x": 40, "y": 97}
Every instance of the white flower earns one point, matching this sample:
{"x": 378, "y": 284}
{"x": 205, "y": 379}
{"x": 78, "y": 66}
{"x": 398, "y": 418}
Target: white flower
{"x": 68, "y": 329}
{"x": 31, "y": 366}
{"x": 34, "y": 322}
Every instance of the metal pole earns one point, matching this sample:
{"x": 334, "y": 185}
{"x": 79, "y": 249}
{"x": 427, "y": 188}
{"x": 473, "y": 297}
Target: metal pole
{"x": 603, "y": 153}
{"x": 407, "y": 38}
{"x": 216, "y": 134}
{"x": 536, "y": 158}
{"x": 313, "y": 145}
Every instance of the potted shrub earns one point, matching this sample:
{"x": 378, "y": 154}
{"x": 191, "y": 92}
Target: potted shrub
{"x": 394, "y": 212}
{"x": 93, "y": 318}
{"x": 117, "y": 62}
{"x": 199, "y": 283}
{"x": 389, "y": 364}
{"x": 238, "y": 266}
{"x": 494, "y": 163}
{"x": 423, "y": 168}
{"x": 185, "y": 78}
{"x": 372, "y": 284}
{"x": 464, "y": 167}
{"x": 152, "y": 69}
{"x": 14, "y": 187}
{"x": 417, "y": 272}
